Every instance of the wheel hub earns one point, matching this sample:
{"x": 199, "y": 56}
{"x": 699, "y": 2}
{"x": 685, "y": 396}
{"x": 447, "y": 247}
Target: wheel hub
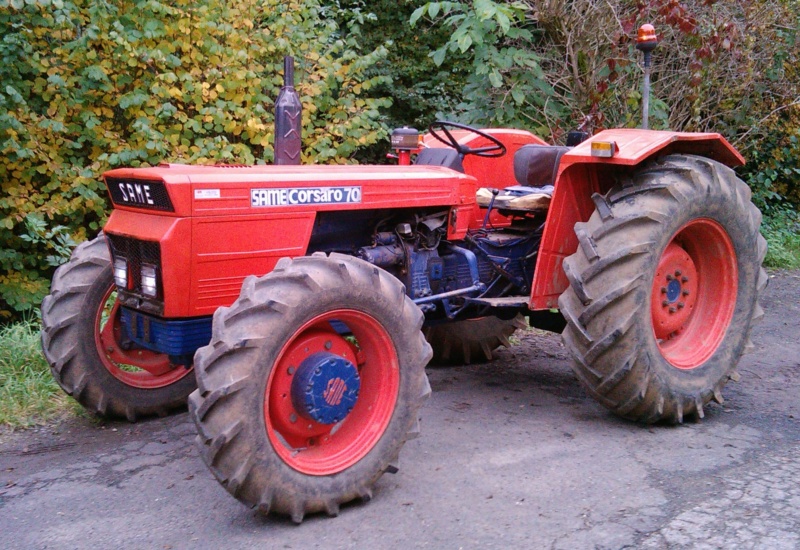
{"x": 301, "y": 425}
{"x": 694, "y": 293}
{"x": 674, "y": 291}
{"x": 325, "y": 388}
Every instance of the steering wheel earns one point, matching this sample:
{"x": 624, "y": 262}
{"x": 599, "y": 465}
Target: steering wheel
{"x": 496, "y": 149}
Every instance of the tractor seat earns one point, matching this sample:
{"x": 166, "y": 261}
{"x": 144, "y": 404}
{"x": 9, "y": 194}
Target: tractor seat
{"x": 535, "y": 169}
{"x": 440, "y": 156}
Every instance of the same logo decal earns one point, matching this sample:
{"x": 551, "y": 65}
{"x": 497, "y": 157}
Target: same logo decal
{"x": 136, "y": 193}
{"x": 335, "y": 391}
{"x": 305, "y": 195}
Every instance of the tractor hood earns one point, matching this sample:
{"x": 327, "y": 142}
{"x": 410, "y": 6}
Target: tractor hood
{"x": 191, "y": 191}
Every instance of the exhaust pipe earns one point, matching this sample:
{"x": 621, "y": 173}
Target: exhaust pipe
{"x": 288, "y": 118}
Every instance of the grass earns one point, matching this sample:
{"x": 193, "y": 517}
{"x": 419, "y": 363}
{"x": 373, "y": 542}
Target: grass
{"x": 28, "y": 394}
{"x": 782, "y": 231}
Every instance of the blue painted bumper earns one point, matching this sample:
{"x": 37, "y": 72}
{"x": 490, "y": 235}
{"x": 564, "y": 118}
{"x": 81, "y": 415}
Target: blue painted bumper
{"x": 177, "y": 337}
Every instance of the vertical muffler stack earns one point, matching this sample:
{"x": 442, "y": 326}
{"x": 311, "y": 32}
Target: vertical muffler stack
{"x": 288, "y": 118}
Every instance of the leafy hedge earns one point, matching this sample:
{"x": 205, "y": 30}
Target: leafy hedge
{"x": 89, "y": 85}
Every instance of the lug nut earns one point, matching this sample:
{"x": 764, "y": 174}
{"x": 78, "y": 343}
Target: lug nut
{"x": 290, "y": 371}
{"x": 684, "y": 279}
{"x": 292, "y": 418}
{"x": 685, "y": 292}
{"x": 665, "y": 303}
{"x": 681, "y": 305}
{"x": 672, "y": 310}
{"x": 669, "y": 277}
{"x": 677, "y": 272}
{"x": 663, "y": 290}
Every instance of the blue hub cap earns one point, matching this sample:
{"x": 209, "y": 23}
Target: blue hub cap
{"x": 325, "y": 388}
{"x": 673, "y": 291}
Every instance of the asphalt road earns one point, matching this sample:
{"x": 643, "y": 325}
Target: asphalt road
{"x": 513, "y": 454}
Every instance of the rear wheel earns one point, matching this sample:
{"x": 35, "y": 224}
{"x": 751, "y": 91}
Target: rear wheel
{"x": 311, "y": 384}
{"x": 471, "y": 341}
{"x": 81, "y": 339}
{"x": 664, "y": 289}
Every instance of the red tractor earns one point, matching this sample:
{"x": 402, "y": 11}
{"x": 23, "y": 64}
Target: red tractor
{"x": 297, "y": 306}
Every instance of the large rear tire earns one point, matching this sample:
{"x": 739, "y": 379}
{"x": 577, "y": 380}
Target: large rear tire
{"x": 81, "y": 341}
{"x": 258, "y": 435}
{"x": 471, "y": 341}
{"x": 664, "y": 289}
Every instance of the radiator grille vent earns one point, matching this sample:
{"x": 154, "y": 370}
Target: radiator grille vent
{"x": 136, "y": 252}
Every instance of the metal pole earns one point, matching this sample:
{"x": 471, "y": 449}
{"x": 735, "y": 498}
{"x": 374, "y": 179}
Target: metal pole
{"x": 646, "y": 42}
{"x": 646, "y": 93}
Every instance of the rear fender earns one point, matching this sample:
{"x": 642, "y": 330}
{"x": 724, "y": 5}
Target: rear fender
{"x": 580, "y": 175}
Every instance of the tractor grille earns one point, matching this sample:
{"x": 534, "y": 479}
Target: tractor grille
{"x": 136, "y": 252}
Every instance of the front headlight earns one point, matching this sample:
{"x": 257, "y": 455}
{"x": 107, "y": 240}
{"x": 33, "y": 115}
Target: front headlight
{"x": 149, "y": 280}
{"x": 121, "y": 272}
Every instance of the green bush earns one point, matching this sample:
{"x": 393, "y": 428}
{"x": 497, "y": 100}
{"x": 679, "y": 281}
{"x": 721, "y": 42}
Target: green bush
{"x": 772, "y": 142}
{"x": 544, "y": 65}
{"x": 420, "y": 88}
{"x": 781, "y": 228}
{"x": 86, "y": 86}
{"x": 773, "y": 170}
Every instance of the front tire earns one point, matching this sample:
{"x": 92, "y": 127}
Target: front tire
{"x": 258, "y": 435}
{"x": 81, "y": 342}
{"x": 664, "y": 289}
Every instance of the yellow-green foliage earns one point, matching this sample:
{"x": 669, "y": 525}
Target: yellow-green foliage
{"x": 88, "y": 85}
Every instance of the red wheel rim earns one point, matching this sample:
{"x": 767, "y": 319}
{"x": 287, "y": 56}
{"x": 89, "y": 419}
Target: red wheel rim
{"x": 320, "y": 449}
{"x": 694, "y": 293}
{"x": 138, "y": 367}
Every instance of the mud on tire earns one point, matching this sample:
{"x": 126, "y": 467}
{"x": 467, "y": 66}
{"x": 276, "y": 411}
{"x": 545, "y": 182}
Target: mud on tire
{"x": 74, "y": 346}
{"x": 251, "y": 433}
{"x": 471, "y": 341}
{"x": 664, "y": 289}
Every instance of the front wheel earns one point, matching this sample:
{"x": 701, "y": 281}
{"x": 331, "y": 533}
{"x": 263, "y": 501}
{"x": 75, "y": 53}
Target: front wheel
{"x": 664, "y": 289}
{"x": 311, "y": 384}
{"x": 82, "y": 339}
